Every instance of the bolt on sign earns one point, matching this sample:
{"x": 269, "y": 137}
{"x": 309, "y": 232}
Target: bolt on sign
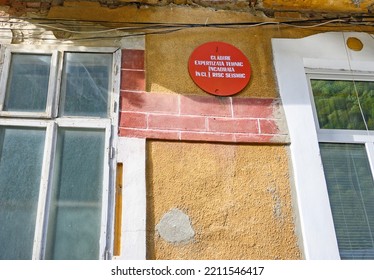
{"x": 219, "y": 68}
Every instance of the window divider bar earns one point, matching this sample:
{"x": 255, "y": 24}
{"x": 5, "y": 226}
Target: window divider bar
{"x": 23, "y": 122}
{"x": 370, "y": 151}
{"x": 53, "y": 85}
{"x": 83, "y": 122}
{"x": 4, "y": 77}
{"x": 57, "y": 85}
{"x": 44, "y": 192}
{"x": 29, "y": 115}
{"x": 111, "y": 249}
{"x": 106, "y": 230}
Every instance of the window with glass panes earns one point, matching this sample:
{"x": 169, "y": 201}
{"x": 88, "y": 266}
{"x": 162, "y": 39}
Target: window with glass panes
{"x": 344, "y": 114}
{"x": 56, "y": 124}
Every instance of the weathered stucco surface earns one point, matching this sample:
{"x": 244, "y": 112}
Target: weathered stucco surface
{"x": 237, "y": 198}
{"x": 167, "y": 63}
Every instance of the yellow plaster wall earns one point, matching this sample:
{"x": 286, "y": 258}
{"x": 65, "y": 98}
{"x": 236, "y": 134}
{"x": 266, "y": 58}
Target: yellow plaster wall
{"x": 167, "y": 63}
{"x": 237, "y": 197}
{"x": 230, "y": 192}
{"x": 167, "y": 56}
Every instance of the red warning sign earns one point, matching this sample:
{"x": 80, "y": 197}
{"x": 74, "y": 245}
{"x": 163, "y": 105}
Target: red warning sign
{"x": 219, "y": 68}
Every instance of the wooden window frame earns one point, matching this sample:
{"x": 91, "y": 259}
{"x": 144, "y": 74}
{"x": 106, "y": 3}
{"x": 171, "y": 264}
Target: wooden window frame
{"x": 51, "y": 122}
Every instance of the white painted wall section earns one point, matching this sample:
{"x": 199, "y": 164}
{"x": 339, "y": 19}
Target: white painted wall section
{"x": 132, "y": 153}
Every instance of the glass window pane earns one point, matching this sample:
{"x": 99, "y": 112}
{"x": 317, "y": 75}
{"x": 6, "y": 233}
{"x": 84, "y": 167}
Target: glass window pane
{"x": 338, "y": 107}
{"x": 85, "y": 84}
{"x": 27, "y": 87}
{"x": 21, "y": 156}
{"x": 75, "y": 213}
{"x": 351, "y": 193}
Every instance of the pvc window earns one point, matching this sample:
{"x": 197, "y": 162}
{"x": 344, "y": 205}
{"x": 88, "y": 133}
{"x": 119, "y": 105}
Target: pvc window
{"x": 56, "y": 160}
{"x": 344, "y": 117}
{"x": 338, "y": 154}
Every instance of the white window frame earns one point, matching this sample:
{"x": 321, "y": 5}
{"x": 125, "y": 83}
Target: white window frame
{"x": 292, "y": 59}
{"x": 9, "y": 51}
{"x": 339, "y": 135}
{"x": 49, "y": 121}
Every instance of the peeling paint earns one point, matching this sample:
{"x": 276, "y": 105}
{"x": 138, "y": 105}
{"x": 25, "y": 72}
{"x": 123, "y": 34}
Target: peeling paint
{"x": 281, "y": 123}
{"x": 277, "y": 203}
{"x": 175, "y": 227}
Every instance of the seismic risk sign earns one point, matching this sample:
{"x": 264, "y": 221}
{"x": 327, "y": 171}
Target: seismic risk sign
{"x": 219, "y": 68}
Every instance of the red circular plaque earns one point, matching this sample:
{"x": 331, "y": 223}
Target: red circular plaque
{"x": 219, "y": 68}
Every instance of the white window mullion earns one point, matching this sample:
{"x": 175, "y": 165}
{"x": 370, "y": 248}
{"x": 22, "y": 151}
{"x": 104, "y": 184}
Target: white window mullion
{"x": 370, "y": 151}
{"x": 4, "y": 77}
{"x": 106, "y": 236}
{"x": 52, "y": 89}
{"x": 57, "y": 85}
{"x": 111, "y": 161}
{"x": 341, "y": 136}
{"x": 41, "y": 218}
{"x": 83, "y": 123}
{"x": 115, "y": 87}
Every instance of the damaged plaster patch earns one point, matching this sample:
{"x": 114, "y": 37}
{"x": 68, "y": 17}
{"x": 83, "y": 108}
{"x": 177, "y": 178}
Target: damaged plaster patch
{"x": 277, "y": 204}
{"x": 357, "y": 3}
{"x": 175, "y": 227}
{"x": 280, "y": 121}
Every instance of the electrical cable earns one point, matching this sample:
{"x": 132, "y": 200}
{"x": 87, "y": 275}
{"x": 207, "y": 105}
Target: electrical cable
{"x": 154, "y": 28}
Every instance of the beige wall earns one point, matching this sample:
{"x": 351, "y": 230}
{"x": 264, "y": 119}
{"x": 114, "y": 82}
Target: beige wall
{"x": 236, "y": 196}
{"x": 167, "y": 63}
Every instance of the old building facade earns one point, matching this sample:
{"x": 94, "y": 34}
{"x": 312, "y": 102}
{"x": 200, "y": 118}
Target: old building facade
{"x": 110, "y": 150}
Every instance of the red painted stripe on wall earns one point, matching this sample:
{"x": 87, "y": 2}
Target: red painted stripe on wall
{"x": 193, "y": 118}
{"x": 165, "y": 116}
